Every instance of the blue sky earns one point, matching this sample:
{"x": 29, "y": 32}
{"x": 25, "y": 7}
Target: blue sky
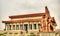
{"x": 18, "y": 7}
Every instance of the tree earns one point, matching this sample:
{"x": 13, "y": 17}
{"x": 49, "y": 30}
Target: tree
{"x": 2, "y": 35}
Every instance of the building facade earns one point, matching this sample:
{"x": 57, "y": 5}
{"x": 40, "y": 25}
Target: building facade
{"x": 30, "y": 23}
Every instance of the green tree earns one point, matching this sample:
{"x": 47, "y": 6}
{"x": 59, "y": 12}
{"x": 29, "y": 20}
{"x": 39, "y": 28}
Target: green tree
{"x": 32, "y": 35}
{"x": 2, "y": 35}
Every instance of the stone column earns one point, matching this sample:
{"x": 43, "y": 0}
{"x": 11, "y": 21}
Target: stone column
{"x": 11, "y": 27}
{"x": 37, "y": 26}
{"x": 28, "y": 26}
{"x": 19, "y": 26}
{"x": 15, "y": 26}
{"x": 32, "y": 27}
{"x": 23, "y": 26}
{"x": 6, "y": 27}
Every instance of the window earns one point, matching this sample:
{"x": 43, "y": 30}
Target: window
{"x": 34, "y": 26}
{"x": 17, "y": 27}
{"x": 21, "y": 27}
{"x": 26, "y": 27}
{"x": 13, "y": 27}
{"x": 30, "y": 26}
{"x": 9, "y": 27}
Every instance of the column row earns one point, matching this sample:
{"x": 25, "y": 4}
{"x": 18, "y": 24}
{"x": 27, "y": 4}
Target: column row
{"x": 21, "y": 27}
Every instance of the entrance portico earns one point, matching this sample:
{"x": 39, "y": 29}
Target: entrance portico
{"x": 22, "y": 26}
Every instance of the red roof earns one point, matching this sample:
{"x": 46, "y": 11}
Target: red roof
{"x": 25, "y": 20}
{"x": 27, "y": 15}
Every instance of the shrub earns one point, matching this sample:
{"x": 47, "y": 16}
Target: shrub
{"x": 2, "y": 35}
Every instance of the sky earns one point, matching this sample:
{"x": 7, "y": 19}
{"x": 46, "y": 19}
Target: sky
{"x": 19, "y": 7}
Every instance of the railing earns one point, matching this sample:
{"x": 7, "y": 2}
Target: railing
{"x": 40, "y": 34}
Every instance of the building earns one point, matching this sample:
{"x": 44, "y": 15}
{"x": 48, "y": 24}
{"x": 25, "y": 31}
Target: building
{"x": 30, "y": 24}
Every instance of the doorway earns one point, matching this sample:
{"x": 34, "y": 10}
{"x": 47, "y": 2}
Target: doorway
{"x": 26, "y": 27}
